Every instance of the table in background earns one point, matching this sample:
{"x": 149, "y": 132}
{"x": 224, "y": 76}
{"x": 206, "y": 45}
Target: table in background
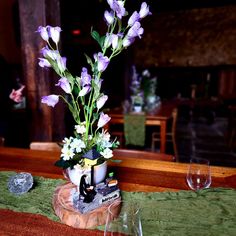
{"x": 158, "y": 117}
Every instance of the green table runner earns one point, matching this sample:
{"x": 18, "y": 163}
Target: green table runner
{"x": 134, "y": 128}
{"x": 208, "y": 212}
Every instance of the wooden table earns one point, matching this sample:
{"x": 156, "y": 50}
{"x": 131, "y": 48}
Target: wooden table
{"x": 134, "y": 174}
{"x": 159, "y": 117}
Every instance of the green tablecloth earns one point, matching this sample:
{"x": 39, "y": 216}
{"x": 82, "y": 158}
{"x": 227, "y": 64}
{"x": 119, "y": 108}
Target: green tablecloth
{"x": 208, "y": 212}
{"x": 134, "y": 128}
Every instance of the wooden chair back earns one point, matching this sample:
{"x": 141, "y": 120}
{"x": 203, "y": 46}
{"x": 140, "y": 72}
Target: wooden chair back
{"x": 170, "y": 135}
{"x": 47, "y": 146}
{"x": 142, "y": 155}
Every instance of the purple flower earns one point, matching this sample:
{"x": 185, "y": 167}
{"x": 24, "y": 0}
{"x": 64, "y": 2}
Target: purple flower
{"x": 50, "y": 100}
{"x": 61, "y": 62}
{"x": 103, "y": 119}
{"x": 64, "y": 84}
{"x": 44, "y": 62}
{"x": 49, "y": 53}
{"x": 85, "y": 77}
{"x": 109, "y": 17}
{"x": 101, "y": 101}
{"x": 54, "y": 33}
{"x": 43, "y": 32}
{"x": 135, "y": 30}
{"x": 102, "y": 61}
{"x": 86, "y": 89}
{"x": 133, "y": 18}
{"x": 111, "y": 39}
{"x": 117, "y": 7}
{"x": 144, "y": 10}
{"x": 128, "y": 41}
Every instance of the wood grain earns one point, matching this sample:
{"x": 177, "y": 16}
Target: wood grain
{"x": 133, "y": 174}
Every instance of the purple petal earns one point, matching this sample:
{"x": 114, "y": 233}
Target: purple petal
{"x": 135, "y": 30}
{"x": 49, "y": 53}
{"x": 61, "y": 62}
{"x": 101, "y": 101}
{"x": 102, "y": 61}
{"x": 134, "y": 17}
{"x": 144, "y": 10}
{"x": 85, "y": 77}
{"x": 103, "y": 119}
{"x": 86, "y": 89}
{"x": 117, "y": 7}
{"x": 109, "y": 17}
{"x": 44, "y": 62}
{"x": 50, "y": 100}
{"x": 54, "y": 33}
{"x": 64, "y": 84}
{"x": 128, "y": 41}
{"x": 43, "y": 32}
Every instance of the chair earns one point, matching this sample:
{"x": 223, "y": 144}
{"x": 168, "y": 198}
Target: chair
{"x": 142, "y": 154}
{"x": 2, "y": 141}
{"x": 170, "y": 136}
{"x": 47, "y": 146}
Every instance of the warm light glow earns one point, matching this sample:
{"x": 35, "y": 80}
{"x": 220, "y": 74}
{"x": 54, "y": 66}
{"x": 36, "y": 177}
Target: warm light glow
{"x": 76, "y": 32}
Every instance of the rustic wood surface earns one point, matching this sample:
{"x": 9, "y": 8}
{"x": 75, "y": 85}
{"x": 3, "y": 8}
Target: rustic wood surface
{"x": 134, "y": 174}
{"x": 65, "y": 211}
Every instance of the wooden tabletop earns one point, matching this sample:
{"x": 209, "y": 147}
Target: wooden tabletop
{"x": 134, "y": 174}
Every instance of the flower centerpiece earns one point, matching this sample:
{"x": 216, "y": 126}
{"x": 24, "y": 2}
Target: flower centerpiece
{"x": 91, "y": 143}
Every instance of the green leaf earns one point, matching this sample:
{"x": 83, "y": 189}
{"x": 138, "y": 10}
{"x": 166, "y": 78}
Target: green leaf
{"x": 89, "y": 60}
{"x": 95, "y": 35}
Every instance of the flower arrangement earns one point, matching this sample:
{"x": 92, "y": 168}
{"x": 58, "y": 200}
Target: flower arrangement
{"x": 143, "y": 89}
{"x": 82, "y": 94}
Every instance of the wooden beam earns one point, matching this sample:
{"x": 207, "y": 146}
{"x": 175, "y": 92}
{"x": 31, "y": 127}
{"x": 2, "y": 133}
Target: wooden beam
{"x": 39, "y": 82}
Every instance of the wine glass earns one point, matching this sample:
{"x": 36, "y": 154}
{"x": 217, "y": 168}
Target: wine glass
{"x": 199, "y": 174}
{"x": 123, "y": 219}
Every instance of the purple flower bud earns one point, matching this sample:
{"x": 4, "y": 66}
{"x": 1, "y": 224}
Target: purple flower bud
{"x": 111, "y": 39}
{"x": 109, "y": 17}
{"x": 135, "y": 30}
{"x": 103, "y": 119}
{"x": 54, "y": 33}
{"x": 61, "y": 63}
{"x": 64, "y": 84}
{"x": 49, "y": 53}
{"x": 134, "y": 17}
{"x": 43, "y": 32}
{"x": 117, "y": 7}
{"x": 101, "y": 101}
{"x": 50, "y": 100}
{"x": 44, "y": 62}
{"x": 114, "y": 41}
{"x": 144, "y": 10}
{"x": 86, "y": 89}
{"x": 85, "y": 77}
{"x": 102, "y": 61}
{"x": 128, "y": 41}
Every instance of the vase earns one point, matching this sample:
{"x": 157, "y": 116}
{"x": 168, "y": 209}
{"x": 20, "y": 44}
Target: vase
{"x": 137, "y": 108}
{"x": 75, "y": 174}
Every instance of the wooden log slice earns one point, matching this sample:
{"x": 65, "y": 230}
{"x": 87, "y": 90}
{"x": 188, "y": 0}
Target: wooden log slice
{"x": 63, "y": 207}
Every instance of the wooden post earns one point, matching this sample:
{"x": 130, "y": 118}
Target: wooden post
{"x": 39, "y": 82}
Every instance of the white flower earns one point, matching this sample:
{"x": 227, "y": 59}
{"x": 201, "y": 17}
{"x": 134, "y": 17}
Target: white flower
{"x": 67, "y": 153}
{"x": 105, "y": 135}
{"x": 67, "y": 141}
{"x": 107, "y": 153}
{"x": 80, "y": 129}
{"x": 77, "y": 145}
